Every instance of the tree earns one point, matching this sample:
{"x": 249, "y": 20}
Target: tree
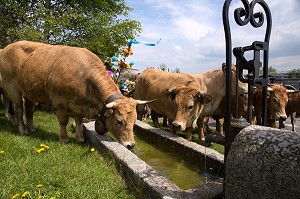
{"x": 271, "y": 70}
{"x": 176, "y": 70}
{"x": 102, "y": 26}
{"x": 295, "y": 73}
{"x": 163, "y": 67}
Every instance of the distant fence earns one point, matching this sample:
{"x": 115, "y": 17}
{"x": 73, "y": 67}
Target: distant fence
{"x": 295, "y": 82}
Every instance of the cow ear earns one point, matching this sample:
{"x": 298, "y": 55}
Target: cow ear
{"x": 207, "y": 99}
{"x": 108, "y": 113}
{"x": 171, "y": 93}
{"x": 204, "y": 99}
{"x": 224, "y": 68}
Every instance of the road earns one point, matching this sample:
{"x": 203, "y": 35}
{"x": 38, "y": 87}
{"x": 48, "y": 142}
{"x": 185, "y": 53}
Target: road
{"x": 288, "y": 125}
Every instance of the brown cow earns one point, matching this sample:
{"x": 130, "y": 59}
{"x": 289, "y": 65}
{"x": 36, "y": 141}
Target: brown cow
{"x": 277, "y": 100}
{"x": 73, "y": 80}
{"x": 6, "y": 100}
{"x": 219, "y": 113}
{"x": 215, "y": 82}
{"x": 179, "y": 96}
{"x": 292, "y": 108}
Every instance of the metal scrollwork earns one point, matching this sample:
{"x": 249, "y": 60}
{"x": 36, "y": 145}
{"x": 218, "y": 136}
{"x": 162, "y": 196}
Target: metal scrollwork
{"x": 242, "y": 16}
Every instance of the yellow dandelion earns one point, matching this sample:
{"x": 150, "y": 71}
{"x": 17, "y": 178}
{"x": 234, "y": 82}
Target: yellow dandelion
{"x": 57, "y": 193}
{"x": 25, "y": 194}
{"x": 40, "y": 150}
{"x": 40, "y": 197}
{"x": 2, "y": 152}
{"x": 44, "y": 146}
{"x": 39, "y": 186}
{"x": 15, "y": 196}
{"x": 92, "y": 149}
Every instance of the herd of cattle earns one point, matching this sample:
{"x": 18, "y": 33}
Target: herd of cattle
{"x": 74, "y": 80}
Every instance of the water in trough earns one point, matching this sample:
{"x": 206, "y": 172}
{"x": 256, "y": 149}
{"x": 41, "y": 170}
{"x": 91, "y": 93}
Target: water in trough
{"x": 173, "y": 166}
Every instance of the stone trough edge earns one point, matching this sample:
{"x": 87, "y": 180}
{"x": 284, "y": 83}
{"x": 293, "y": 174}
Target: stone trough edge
{"x": 135, "y": 171}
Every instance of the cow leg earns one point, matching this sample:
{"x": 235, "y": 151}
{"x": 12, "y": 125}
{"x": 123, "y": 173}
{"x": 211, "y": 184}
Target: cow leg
{"x": 219, "y": 125}
{"x": 165, "y": 121}
{"x": 29, "y": 109}
{"x": 63, "y": 119}
{"x": 154, "y": 117}
{"x": 17, "y": 101}
{"x": 7, "y": 104}
{"x": 281, "y": 124}
{"x": 140, "y": 111}
{"x": 258, "y": 120}
{"x": 205, "y": 124}
{"x": 293, "y": 121}
{"x": 189, "y": 135}
{"x": 200, "y": 124}
{"x": 271, "y": 123}
{"x": 78, "y": 133}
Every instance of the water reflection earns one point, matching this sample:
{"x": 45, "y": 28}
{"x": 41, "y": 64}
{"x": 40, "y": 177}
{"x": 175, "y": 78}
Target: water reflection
{"x": 182, "y": 173}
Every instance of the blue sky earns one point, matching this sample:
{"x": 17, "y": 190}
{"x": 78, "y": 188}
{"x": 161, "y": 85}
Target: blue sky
{"x": 192, "y": 34}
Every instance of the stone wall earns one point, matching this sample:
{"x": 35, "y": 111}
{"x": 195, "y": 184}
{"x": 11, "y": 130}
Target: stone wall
{"x": 264, "y": 163}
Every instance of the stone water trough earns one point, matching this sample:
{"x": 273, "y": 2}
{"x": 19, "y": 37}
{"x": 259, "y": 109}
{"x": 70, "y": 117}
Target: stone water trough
{"x": 147, "y": 180}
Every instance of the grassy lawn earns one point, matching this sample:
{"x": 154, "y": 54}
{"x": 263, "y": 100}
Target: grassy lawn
{"x": 60, "y": 171}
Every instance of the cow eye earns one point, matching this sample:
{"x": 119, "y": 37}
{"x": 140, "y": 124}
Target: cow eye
{"x": 274, "y": 100}
{"x": 190, "y": 107}
{"x": 119, "y": 121}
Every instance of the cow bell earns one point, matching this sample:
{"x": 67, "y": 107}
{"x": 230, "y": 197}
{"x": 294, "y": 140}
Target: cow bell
{"x": 100, "y": 127}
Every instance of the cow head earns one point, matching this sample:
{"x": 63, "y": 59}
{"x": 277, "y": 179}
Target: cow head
{"x": 120, "y": 116}
{"x": 188, "y": 103}
{"x": 277, "y": 99}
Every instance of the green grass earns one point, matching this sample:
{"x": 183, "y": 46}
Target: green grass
{"x": 217, "y": 147}
{"x": 63, "y": 171}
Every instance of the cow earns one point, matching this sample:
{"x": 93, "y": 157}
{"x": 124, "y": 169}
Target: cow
{"x": 292, "y": 108}
{"x": 74, "y": 80}
{"x": 276, "y": 103}
{"x": 219, "y": 113}
{"x": 179, "y": 97}
{"x": 215, "y": 83}
{"x": 5, "y": 98}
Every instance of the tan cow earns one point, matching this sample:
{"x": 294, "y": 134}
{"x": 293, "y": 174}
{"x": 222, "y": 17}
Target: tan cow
{"x": 277, "y": 100}
{"x": 178, "y": 96}
{"x": 73, "y": 80}
{"x": 219, "y": 113}
{"x": 215, "y": 82}
{"x": 292, "y": 108}
{"x": 6, "y": 100}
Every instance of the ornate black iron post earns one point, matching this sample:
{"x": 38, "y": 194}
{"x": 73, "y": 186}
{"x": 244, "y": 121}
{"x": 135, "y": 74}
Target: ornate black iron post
{"x": 243, "y": 16}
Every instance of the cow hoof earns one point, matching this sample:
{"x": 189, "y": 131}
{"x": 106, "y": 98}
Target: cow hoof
{"x": 65, "y": 141}
{"x": 80, "y": 140}
{"x": 25, "y": 134}
{"x": 31, "y": 129}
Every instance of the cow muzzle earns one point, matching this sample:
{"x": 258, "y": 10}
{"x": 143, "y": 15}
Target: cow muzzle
{"x": 282, "y": 117}
{"x": 178, "y": 126}
{"x": 129, "y": 145}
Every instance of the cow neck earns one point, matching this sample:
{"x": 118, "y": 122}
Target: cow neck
{"x": 215, "y": 79}
{"x": 108, "y": 90}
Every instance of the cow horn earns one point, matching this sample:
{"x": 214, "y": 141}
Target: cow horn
{"x": 111, "y": 105}
{"x": 144, "y": 102}
{"x": 270, "y": 89}
{"x": 291, "y": 91}
{"x": 290, "y": 87}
